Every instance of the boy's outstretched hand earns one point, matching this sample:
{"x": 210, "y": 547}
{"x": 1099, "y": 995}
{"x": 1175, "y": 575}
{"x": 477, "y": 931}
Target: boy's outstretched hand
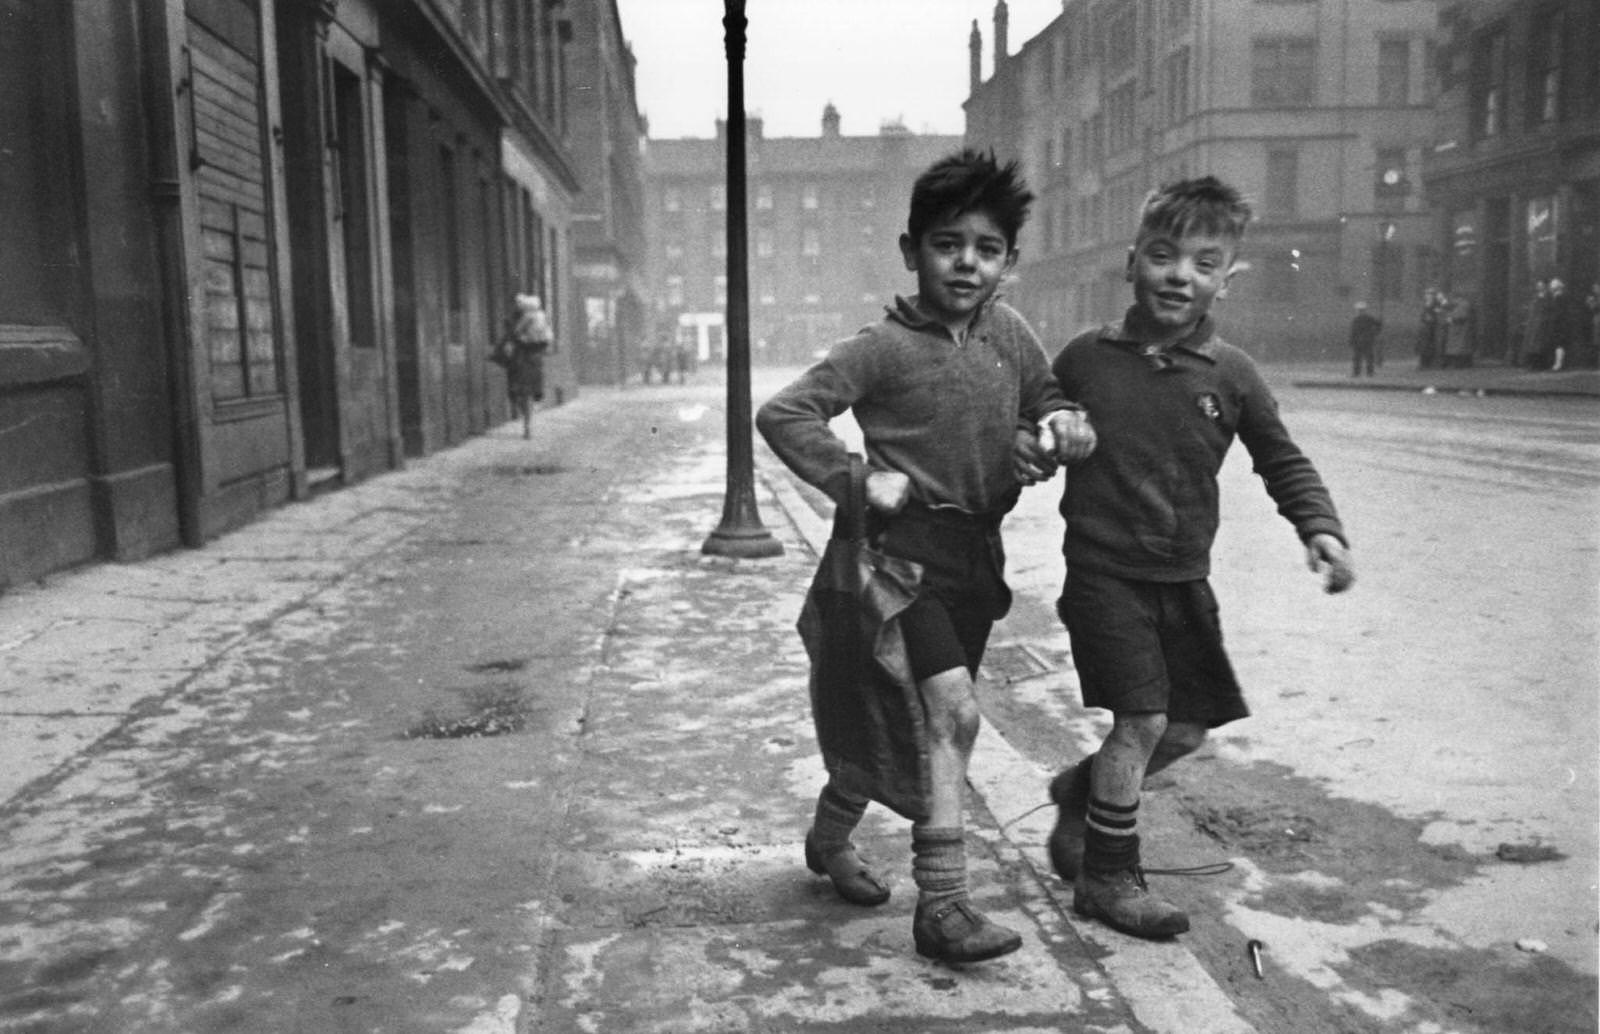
{"x": 1327, "y": 555}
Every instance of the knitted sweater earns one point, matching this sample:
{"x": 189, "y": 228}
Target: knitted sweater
{"x": 1144, "y": 505}
{"x": 942, "y": 413}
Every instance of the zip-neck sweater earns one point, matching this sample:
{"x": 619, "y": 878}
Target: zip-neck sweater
{"x": 941, "y": 411}
{"x": 1144, "y": 504}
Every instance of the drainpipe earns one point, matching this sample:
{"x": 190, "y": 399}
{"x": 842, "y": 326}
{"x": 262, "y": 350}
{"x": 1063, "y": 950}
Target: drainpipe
{"x": 164, "y": 52}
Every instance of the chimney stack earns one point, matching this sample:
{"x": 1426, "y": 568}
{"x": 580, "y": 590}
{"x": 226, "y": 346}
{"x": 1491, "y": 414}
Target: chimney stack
{"x": 830, "y": 120}
{"x": 1002, "y": 16}
{"x": 974, "y": 59}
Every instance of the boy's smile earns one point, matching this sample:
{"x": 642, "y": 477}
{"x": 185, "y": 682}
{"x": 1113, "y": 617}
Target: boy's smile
{"x": 959, "y": 263}
{"x": 1175, "y": 279}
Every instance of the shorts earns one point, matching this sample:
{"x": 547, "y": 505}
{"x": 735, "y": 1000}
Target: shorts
{"x": 963, "y": 591}
{"x": 1150, "y": 646}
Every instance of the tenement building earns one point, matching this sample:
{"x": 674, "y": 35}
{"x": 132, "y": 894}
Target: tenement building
{"x": 1321, "y": 111}
{"x": 824, "y": 217}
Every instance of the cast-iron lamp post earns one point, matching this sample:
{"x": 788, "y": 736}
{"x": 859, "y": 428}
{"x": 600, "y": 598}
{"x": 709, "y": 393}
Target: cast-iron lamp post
{"x": 741, "y": 533}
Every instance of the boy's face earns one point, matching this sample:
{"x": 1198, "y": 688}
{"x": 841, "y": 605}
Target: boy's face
{"x": 959, "y": 262}
{"x": 1175, "y": 279}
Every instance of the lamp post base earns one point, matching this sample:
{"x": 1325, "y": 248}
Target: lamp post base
{"x": 746, "y": 543}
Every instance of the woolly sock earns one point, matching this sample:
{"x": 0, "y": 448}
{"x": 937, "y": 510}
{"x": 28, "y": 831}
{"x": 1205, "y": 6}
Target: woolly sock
{"x": 938, "y": 865}
{"x": 1111, "y": 843}
{"x": 836, "y": 818}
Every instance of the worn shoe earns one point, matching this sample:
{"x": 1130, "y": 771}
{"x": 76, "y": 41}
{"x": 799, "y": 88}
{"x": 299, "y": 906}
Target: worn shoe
{"x": 1069, "y": 790}
{"x": 1122, "y": 900}
{"x": 851, "y": 878}
{"x": 957, "y": 932}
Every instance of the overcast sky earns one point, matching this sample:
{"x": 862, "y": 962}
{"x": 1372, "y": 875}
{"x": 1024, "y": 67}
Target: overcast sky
{"x": 876, "y": 60}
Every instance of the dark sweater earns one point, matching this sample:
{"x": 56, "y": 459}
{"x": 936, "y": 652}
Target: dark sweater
{"x": 1144, "y": 505}
{"x": 944, "y": 414}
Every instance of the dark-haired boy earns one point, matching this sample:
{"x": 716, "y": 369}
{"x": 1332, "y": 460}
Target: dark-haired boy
{"x": 939, "y": 388}
{"x": 1167, "y": 396}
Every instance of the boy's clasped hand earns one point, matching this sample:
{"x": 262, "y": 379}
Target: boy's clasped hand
{"x": 1065, "y": 436}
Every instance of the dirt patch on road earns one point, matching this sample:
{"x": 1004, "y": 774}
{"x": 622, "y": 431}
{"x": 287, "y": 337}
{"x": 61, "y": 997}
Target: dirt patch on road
{"x": 1353, "y": 873}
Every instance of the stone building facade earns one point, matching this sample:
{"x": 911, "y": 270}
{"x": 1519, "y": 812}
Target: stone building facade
{"x": 1320, "y": 110}
{"x": 824, "y": 216}
{"x": 253, "y": 249}
{"x": 1514, "y": 169}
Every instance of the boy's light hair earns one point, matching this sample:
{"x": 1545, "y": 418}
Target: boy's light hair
{"x": 1204, "y": 205}
{"x": 970, "y": 181}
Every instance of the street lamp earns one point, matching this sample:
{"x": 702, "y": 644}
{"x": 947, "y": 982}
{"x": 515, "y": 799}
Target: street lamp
{"x": 741, "y": 533}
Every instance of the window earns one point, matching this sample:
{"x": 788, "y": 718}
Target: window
{"x": 1281, "y": 197}
{"x": 1121, "y": 41}
{"x": 1178, "y": 15}
{"x": 674, "y": 250}
{"x": 672, "y": 200}
{"x": 675, "y": 291}
{"x": 810, "y": 243}
{"x": 1544, "y": 69}
{"x": 1388, "y": 266}
{"x": 719, "y": 197}
{"x": 1394, "y": 72}
{"x": 1176, "y": 76}
{"x": 1280, "y": 276}
{"x": 764, "y": 242}
{"x": 764, "y": 197}
{"x": 808, "y": 197}
{"x": 355, "y": 212}
{"x": 719, "y": 244}
{"x": 1489, "y": 84}
{"x": 768, "y": 295}
{"x": 1541, "y": 234}
{"x": 719, "y": 289}
{"x": 1121, "y": 126}
{"x": 1389, "y": 175}
{"x": 1283, "y": 72}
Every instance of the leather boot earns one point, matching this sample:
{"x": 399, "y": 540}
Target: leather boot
{"x": 957, "y": 932}
{"x": 1069, "y": 790}
{"x": 851, "y": 878}
{"x": 1122, "y": 900}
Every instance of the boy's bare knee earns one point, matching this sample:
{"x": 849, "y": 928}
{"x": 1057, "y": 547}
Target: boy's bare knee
{"x": 952, "y": 710}
{"x": 1138, "y": 730}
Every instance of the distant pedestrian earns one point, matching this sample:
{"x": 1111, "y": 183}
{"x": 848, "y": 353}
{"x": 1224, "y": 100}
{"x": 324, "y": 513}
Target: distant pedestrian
{"x": 1532, "y": 350}
{"x": 1430, "y": 329}
{"x": 1592, "y": 301}
{"x": 939, "y": 388}
{"x": 1567, "y": 325}
{"x": 1167, "y": 396}
{"x": 1460, "y": 333}
{"x": 1364, "y": 329}
{"x": 520, "y": 350}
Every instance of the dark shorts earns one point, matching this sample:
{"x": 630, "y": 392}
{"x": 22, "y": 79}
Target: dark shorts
{"x": 1150, "y": 646}
{"x": 963, "y": 589}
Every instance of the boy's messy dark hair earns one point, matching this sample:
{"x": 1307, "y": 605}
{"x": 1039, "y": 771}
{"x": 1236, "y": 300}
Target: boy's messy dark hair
{"x": 969, "y": 181}
{"x": 1204, "y": 205}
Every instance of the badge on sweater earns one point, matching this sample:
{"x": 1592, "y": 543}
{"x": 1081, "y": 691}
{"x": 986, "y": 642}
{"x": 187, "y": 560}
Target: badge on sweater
{"x": 1210, "y": 405}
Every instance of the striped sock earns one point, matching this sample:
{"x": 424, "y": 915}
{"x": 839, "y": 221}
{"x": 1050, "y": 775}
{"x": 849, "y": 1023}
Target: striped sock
{"x": 938, "y": 865}
{"x": 1111, "y": 843}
